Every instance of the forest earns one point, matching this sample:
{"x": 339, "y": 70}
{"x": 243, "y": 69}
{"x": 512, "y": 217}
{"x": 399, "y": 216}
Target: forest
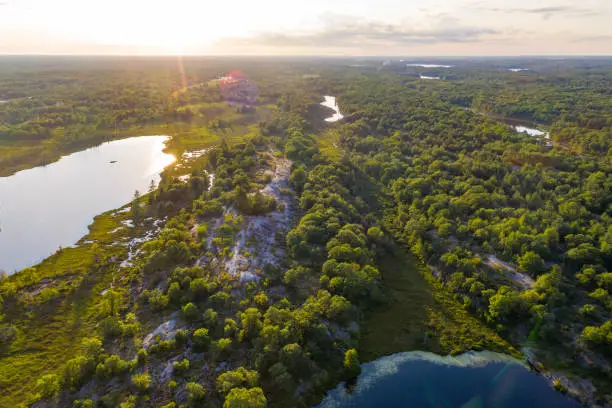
{"x": 504, "y": 241}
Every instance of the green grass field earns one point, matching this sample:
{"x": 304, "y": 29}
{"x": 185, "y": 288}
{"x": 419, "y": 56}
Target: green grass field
{"x": 420, "y": 314}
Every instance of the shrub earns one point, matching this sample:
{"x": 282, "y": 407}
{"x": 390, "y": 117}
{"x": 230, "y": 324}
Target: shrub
{"x": 196, "y": 392}
{"x": 351, "y": 363}
{"x": 142, "y": 356}
{"x": 190, "y": 311}
{"x": 48, "y": 386}
{"x": 181, "y": 367}
{"x": 245, "y": 398}
{"x": 141, "y": 381}
{"x": 77, "y": 371}
{"x": 201, "y": 339}
{"x": 8, "y": 335}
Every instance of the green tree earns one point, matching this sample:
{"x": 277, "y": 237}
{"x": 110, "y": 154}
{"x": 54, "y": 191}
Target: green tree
{"x": 48, "y": 386}
{"x": 531, "y": 263}
{"x": 137, "y": 212}
{"x": 196, "y": 392}
{"x": 190, "y": 311}
{"x": 236, "y": 378}
{"x": 201, "y": 339}
{"x": 351, "y": 363}
{"x": 142, "y": 382}
{"x": 245, "y": 398}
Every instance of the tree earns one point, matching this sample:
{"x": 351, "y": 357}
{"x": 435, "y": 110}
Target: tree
{"x": 8, "y": 335}
{"x": 531, "y": 263}
{"x": 298, "y": 178}
{"x": 201, "y": 339}
{"x": 190, "y": 311}
{"x": 48, "y": 386}
{"x": 137, "y": 212}
{"x": 351, "y": 363}
{"x": 142, "y": 382}
{"x": 196, "y": 392}
{"x": 245, "y": 398}
{"x": 236, "y": 378}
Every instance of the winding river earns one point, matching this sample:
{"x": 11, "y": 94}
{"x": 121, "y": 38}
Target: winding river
{"x": 472, "y": 380}
{"x": 48, "y": 207}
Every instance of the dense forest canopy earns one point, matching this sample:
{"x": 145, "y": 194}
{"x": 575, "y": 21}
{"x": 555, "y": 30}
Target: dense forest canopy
{"x": 507, "y": 239}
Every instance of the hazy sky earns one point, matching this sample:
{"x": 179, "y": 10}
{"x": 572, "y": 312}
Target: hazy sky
{"x": 322, "y": 27}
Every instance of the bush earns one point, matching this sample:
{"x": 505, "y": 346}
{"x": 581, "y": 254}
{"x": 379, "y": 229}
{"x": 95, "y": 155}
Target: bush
{"x": 236, "y": 378}
{"x": 77, "y": 371}
{"x": 180, "y": 337}
{"x": 351, "y": 363}
{"x": 190, "y": 311}
{"x": 196, "y": 392}
{"x": 142, "y": 356}
{"x": 245, "y": 398}
{"x": 142, "y": 382}
{"x": 111, "y": 367}
{"x": 48, "y": 386}
{"x": 201, "y": 339}
{"x": 8, "y": 335}
{"x": 181, "y": 367}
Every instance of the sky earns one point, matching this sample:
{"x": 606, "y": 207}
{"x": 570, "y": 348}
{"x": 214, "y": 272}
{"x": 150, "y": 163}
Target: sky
{"x": 313, "y": 27}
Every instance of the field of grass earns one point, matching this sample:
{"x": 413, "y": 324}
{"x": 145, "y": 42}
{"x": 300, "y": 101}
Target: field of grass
{"x": 420, "y": 314}
{"x": 55, "y": 326}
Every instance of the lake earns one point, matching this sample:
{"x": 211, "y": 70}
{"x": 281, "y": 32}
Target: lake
{"x": 471, "y": 380}
{"x": 429, "y": 65}
{"x": 330, "y": 102}
{"x": 48, "y": 207}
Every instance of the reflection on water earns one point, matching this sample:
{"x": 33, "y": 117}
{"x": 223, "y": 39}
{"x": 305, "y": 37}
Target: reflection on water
{"x": 421, "y": 379}
{"x": 429, "y": 77}
{"x": 330, "y": 102}
{"x": 50, "y": 206}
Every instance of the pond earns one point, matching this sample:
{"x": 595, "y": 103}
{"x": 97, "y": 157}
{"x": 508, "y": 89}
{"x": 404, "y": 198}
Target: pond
{"x": 330, "y": 102}
{"x": 48, "y": 207}
{"x": 471, "y": 380}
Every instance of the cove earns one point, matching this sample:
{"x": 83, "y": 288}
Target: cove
{"x": 471, "y": 380}
{"x": 47, "y": 207}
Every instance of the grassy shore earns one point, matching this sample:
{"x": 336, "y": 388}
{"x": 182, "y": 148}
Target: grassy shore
{"x": 420, "y": 314}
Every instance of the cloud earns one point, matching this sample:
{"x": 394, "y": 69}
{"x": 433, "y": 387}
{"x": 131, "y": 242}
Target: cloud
{"x": 593, "y": 38}
{"x": 350, "y": 32}
{"x": 545, "y": 12}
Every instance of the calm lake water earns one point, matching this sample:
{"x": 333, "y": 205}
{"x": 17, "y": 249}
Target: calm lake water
{"x": 330, "y": 102}
{"x": 472, "y": 380}
{"x": 50, "y": 206}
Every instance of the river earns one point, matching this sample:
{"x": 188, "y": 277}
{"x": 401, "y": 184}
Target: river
{"x": 48, "y": 207}
{"x": 472, "y": 380}
{"x": 330, "y": 102}
{"x": 519, "y": 125}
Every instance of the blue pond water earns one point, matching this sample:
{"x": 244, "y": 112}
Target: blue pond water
{"x": 472, "y": 380}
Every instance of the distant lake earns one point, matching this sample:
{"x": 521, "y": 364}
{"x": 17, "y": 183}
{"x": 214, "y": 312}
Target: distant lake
{"x": 422, "y": 380}
{"x": 330, "y": 102}
{"x": 50, "y": 206}
{"x": 429, "y": 65}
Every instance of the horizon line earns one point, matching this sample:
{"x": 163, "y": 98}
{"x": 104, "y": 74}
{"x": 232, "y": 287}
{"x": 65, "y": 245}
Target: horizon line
{"x": 551, "y": 55}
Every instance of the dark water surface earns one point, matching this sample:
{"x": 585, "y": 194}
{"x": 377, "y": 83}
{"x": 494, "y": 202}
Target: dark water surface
{"x": 50, "y": 206}
{"x": 472, "y": 380}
